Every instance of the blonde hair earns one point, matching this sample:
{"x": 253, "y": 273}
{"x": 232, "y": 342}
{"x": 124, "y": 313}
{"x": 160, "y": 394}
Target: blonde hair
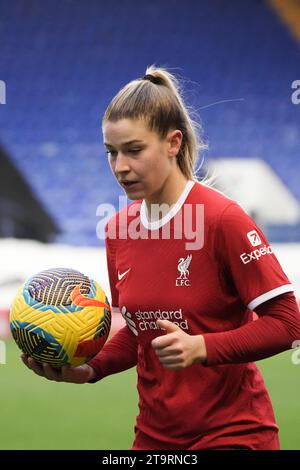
{"x": 158, "y": 101}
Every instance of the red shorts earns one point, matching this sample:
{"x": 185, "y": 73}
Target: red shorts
{"x": 264, "y": 440}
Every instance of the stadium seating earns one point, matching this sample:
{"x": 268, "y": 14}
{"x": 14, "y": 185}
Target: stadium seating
{"x": 63, "y": 60}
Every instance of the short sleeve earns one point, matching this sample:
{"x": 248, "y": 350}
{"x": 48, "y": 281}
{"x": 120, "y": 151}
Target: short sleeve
{"x": 249, "y": 258}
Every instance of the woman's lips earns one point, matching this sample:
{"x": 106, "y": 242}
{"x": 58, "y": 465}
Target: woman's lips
{"x": 129, "y": 184}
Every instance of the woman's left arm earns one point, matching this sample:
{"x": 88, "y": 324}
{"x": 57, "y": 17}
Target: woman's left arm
{"x": 277, "y": 327}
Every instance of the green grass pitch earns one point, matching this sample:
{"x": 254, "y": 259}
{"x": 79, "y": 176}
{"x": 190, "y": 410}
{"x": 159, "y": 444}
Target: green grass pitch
{"x": 39, "y": 414}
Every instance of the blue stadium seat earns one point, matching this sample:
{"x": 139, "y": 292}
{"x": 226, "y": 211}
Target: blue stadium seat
{"x": 62, "y": 62}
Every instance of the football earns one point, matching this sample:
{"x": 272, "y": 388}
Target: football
{"x": 60, "y": 316}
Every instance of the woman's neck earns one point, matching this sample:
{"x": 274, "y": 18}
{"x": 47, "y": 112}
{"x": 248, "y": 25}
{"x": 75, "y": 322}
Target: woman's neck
{"x": 166, "y": 197}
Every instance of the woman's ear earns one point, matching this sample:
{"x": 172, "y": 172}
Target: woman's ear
{"x": 174, "y": 142}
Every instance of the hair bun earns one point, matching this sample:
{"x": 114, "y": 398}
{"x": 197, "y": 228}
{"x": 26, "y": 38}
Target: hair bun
{"x": 152, "y": 78}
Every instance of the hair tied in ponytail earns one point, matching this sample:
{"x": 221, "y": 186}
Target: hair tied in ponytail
{"x": 151, "y": 78}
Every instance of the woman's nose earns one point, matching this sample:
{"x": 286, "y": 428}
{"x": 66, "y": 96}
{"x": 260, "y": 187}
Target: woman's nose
{"x": 121, "y": 163}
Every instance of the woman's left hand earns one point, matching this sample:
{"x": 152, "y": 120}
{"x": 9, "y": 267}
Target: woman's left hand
{"x": 177, "y": 349}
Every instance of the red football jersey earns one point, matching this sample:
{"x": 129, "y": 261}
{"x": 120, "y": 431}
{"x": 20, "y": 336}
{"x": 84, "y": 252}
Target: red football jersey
{"x": 205, "y": 266}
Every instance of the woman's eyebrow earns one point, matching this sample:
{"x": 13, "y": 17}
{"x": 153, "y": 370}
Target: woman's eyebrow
{"x": 125, "y": 143}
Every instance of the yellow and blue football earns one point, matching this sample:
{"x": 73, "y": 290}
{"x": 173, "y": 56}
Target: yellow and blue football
{"x": 60, "y": 316}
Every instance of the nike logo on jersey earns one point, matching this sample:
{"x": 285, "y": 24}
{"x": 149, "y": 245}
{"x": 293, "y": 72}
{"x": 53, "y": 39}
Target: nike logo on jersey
{"x": 120, "y": 276}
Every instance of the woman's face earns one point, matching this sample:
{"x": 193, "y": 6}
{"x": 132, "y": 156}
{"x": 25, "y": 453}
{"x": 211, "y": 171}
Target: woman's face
{"x": 139, "y": 159}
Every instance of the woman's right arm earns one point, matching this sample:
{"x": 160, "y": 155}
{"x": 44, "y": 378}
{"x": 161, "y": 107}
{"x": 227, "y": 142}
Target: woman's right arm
{"x": 117, "y": 355}
{"x": 121, "y": 352}
{"x": 77, "y": 375}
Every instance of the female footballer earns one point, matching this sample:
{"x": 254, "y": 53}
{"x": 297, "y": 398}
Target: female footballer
{"x": 187, "y": 269}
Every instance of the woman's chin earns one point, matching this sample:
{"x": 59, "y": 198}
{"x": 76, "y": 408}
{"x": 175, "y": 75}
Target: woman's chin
{"x": 134, "y": 196}
{"x": 134, "y": 193}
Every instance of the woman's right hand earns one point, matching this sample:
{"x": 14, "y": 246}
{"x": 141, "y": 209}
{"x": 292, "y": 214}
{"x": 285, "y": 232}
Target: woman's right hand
{"x": 76, "y": 375}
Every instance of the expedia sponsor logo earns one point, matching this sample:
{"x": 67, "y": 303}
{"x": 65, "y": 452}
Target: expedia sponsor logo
{"x": 254, "y": 238}
{"x": 146, "y": 320}
{"x": 256, "y": 254}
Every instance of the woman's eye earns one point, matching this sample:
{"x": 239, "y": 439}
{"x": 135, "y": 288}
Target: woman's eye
{"x": 114, "y": 154}
{"x": 111, "y": 153}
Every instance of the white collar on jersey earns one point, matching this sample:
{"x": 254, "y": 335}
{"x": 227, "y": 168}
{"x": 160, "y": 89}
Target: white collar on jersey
{"x": 175, "y": 208}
